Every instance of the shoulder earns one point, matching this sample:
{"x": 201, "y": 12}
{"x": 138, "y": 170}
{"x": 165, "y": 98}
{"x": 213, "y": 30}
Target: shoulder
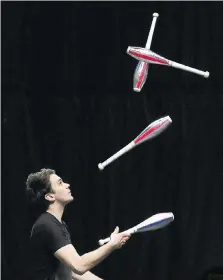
{"x": 46, "y": 222}
{"x": 45, "y": 218}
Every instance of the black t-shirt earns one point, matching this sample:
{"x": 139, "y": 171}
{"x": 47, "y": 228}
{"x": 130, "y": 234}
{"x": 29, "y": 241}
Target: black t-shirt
{"x": 47, "y": 236}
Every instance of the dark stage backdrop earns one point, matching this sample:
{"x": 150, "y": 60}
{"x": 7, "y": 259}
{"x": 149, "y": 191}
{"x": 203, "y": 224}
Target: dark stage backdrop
{"x": 68, "y": 104}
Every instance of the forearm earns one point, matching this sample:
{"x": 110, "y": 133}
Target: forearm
{"x": 81, "y": 264}
{"x": 86, "y": 276}
{"x": 93, "y": 258}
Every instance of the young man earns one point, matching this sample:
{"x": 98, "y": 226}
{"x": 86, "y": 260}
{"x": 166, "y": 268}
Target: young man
{"x": 53, "y": 255}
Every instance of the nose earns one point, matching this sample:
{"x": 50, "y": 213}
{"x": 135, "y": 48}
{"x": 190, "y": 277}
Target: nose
{"x": 68, "y": 186}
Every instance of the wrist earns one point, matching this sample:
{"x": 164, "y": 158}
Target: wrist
{"x": 111, "y": 247}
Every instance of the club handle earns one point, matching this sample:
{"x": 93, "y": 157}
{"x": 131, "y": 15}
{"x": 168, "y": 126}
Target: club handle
{"x": 189, "y": 69}
{"x": 150, "y": 37}
{"x": 103, "y": 241}
{"x": 106, "y": 240}
{"x": 124, "y": 150}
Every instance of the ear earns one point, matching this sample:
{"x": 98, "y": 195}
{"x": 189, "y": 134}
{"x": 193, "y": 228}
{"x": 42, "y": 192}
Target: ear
{"x": 50, "y": 197}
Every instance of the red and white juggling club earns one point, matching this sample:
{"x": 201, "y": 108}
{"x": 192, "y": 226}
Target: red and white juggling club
{"x": 141, "y": 71}
{"x": 151, "y": 131}
{"x": 142, "y": 54}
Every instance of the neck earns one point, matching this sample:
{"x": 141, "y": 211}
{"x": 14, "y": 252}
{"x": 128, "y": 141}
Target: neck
{"x": 56, "y": 210}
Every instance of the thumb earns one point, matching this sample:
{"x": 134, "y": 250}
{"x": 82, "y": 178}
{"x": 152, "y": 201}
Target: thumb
{"x": 116, "y": 230}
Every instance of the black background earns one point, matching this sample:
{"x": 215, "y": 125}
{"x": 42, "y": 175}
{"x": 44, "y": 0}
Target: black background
{"x": 68, "y": 104}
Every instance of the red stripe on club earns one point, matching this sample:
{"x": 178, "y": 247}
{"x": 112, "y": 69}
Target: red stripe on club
{"x": 147, "y": 57}
{"x": 149, "y": 132}
{"x": 142, "y": 76}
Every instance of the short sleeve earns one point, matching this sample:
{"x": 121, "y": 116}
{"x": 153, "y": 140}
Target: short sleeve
{"x": 55, "y": 235}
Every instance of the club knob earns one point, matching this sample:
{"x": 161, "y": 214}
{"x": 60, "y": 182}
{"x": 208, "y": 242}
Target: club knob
{"x": 155, "y": 14}
{"x": 100, "y": 166}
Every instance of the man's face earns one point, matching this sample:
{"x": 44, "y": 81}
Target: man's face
{"x": 62, "y": 193}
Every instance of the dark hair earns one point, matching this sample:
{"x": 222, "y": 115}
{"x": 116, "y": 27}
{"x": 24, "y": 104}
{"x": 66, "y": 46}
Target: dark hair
{"x": 38, "y": 185}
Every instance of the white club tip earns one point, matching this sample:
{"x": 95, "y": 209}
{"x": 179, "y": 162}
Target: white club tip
{"x": 100, "y": 166}
{"x": 168, "y": 215}
{"x": 137, "y": 89}
{"x": 169, "y": 118}
{"x": 100, "y": 242}
{"x": 155, "y": 14}
{"x": 206, "y": 74}
{"x": 171, "y": 215}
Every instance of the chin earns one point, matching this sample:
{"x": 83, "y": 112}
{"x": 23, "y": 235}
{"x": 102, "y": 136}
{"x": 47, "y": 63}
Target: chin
{"x": 70, "y": 199}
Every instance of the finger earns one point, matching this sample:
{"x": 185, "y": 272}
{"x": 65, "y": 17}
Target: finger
{"x": 116, "y": 230}
{"x": 125, "y": 239}
{"x": 122, "y": 243}
{"x": 125, "y": 235}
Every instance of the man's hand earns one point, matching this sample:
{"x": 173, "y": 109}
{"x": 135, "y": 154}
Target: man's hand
{"x": 118, "y": 239}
